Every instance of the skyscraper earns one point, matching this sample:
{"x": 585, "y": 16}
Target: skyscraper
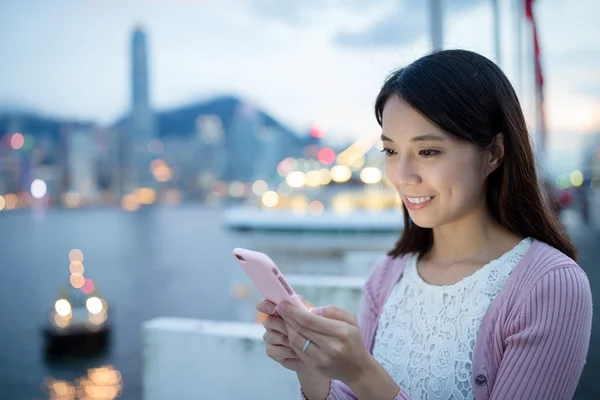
{"x": 142, "y": 127}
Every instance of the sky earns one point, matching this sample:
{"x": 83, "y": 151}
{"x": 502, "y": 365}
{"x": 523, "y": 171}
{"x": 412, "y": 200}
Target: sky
{"x": 305, "y": 62}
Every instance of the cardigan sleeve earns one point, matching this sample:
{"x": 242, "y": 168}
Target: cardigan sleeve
{"x": 549, "y": 339}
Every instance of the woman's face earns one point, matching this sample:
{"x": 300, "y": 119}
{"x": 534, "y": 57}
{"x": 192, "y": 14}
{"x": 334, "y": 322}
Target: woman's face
{"x": 440, "y": 178}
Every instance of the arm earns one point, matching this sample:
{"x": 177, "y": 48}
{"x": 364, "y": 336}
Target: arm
{"x": 549, "y": 340}
{"x": 376, "y": 382}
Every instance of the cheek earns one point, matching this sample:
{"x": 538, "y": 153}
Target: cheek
{"x": 389, "y": 169}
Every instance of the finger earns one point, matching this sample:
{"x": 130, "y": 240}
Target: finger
{"x": 266, "y": 307}
{"x": 274, "y": 323}
{"x": 303, "y": 319}
{"x": 306, "y": 303}
{"x": 319, "y": 339}
{"x": 336, "y": 313}
{"x": 306, "y": 352}
{"x": 276, "y": 338}
{"x": 280, "y": 353}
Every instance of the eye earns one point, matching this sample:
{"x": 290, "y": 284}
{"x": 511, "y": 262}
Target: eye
{"x": 428, "y": 153}
{"x": 389, "y": 152}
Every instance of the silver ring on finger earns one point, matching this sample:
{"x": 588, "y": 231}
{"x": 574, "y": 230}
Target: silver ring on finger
{"x": 305, "y": 345}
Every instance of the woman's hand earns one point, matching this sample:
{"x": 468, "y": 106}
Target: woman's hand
{"x": 276, "y": 338}
{"x": 336, "y": 347}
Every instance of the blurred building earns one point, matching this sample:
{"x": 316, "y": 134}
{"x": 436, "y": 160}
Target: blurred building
{"x": 142, "y": 122}
{"x": 82, "y": 156}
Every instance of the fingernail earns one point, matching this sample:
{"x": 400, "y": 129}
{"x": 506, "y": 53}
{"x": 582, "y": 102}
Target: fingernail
{"x": 270, "y": 308}
{"x": 317, "y": 310}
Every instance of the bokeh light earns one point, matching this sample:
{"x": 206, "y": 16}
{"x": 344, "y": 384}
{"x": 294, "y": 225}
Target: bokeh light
{"x": 326, "y": 155}
{"x": 2, "y": 203}
{"x": 286, "y": 166}
{"x": 76, "y": 267}
{"x": 576, "y": 178}
{"x": 316, "y": 132}
{"x": 342, "y": 204}
{"x": 370, "y": 175}
{"x": 260, "y": 187}
{"x": 295, "y": 179}
{"x": 38, "y": 188}
{"x": 11, "y": 201}
{"x": 75, "y": 255}
{"x": 315, "y": 208}
{"x": 77, "y": 281}
{"x": 236, "y": 189}
{"x": 298, "y": 204}
{"x": 88, "y": 286}
{"x": 313, "y": 178}
{"x": 340, "y": 173}
{"x": 270, "y": 199}
{"x": 17, "y": 141}
{"x": 93, "y": 305}
{"x": 62, "y": 307}
{"x": 130, "y": 203}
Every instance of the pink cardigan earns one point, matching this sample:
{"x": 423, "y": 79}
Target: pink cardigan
{"x": 533, "y": 340}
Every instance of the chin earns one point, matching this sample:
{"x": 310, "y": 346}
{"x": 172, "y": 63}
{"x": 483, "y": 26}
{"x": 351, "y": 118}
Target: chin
{"x": 423, "y": 221}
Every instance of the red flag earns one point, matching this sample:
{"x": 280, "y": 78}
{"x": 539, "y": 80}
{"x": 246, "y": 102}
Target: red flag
{"x": 539, "y": 77}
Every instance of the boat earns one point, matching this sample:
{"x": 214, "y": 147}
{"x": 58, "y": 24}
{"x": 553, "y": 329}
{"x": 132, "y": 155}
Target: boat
{"x": 78, "y": 325}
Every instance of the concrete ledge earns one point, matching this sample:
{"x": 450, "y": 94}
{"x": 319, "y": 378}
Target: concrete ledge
{"x": 341, "y": 291}
{"x": 207, "y": 360}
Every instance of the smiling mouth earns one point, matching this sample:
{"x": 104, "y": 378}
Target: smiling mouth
{"x": 418, "y": 200}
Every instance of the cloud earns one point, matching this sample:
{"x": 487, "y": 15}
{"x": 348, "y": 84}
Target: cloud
{"x": 405, "y": 22}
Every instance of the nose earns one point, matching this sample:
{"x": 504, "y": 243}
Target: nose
{"x": 407, "y": 172}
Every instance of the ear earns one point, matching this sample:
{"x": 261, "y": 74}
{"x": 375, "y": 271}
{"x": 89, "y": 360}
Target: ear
{"x": 495, "y": 154}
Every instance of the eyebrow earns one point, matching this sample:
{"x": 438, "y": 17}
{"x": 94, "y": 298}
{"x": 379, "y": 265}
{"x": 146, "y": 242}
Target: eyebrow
{"x": 421, "y": 138}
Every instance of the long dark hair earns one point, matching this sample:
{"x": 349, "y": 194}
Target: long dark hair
{"x": 468, "y": 96}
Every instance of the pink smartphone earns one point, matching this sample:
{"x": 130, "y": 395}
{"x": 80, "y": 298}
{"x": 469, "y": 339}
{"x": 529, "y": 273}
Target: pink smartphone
{"x": 265, "y": 275}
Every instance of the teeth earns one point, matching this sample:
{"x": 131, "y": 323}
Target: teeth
{"x": 419, "y": 200}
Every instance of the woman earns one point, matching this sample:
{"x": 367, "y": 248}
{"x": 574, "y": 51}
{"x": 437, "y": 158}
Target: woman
{"x": 481, "y": 296}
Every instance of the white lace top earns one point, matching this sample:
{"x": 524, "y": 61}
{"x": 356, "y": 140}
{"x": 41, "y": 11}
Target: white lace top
{"x": 426, "y": 333}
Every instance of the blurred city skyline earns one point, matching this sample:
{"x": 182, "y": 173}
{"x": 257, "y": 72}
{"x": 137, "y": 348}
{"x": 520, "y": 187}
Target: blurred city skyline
{"x": 320, "y": 62}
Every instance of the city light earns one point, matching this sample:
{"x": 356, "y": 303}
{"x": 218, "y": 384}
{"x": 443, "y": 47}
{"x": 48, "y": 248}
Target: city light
{"x": 370, "y": 175}
{"x": 342, "y": 204}
{"x": 76, "y": 268}
{"x": 295, "y": 179}
{"x": 325, "y": 176}
{"x": 286, "y": 166}
{"x": 62, "y": 307}
{"x": 270, "y": 199}
{"x": 326, "y": 155}
{"x": 576, "y": 178}
{"x": 11, "y": 201}
{"x": 38, "y": 188}
{"x": 17, "y": 141}
{"x": 298, "y": 204}
{"x": 2, "y": 203}
{"x": 76, "y": 255}
{"x": 315, "y": 208}
{"x": 145, "y": 195}
{"x": 130, "y": 203}
{"x": 316, "y": 132}
{"x": 77, "y": 281}
{"x": 93, "y": 305}
{"x": 340, "y": 173}
{"x": 313, "y": 178}
{"x": 88, "y": 286}
{"x": 260, "y": 187}
{"x": 236, "y": 189}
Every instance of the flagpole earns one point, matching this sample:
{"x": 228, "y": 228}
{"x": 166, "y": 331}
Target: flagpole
{"x": 518, "y": 6}
{"x": 436, "y": 24}
{"x": 497, "y": 43}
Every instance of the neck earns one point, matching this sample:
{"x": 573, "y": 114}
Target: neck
{"x": 477, "y": 236}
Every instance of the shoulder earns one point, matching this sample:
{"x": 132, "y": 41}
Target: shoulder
{"x": 548, "y": 276}
{"x": 543, "y": 260}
